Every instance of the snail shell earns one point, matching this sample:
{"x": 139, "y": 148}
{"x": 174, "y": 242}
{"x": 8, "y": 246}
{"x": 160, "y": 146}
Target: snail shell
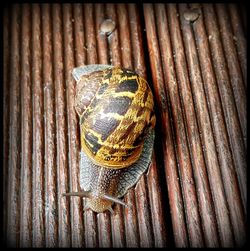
{"x": 116, "y": 112}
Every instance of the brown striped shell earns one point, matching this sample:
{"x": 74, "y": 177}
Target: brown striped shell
{"x": 116, "y": 111}
{"x": 115, "y": 107}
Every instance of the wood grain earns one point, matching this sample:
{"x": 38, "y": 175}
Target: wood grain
{"x": 194, "y": 192}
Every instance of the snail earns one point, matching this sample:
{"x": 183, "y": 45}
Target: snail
{"x": 117, "y": 120}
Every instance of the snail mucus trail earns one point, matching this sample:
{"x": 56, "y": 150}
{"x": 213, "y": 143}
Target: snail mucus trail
{"x": 116, "y": 117}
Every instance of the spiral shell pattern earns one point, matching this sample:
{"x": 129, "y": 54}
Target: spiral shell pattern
{"x": 116, "y": 110}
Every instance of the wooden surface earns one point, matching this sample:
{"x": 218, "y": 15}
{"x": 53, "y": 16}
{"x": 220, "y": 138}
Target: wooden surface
{"x": 194, "y": 58}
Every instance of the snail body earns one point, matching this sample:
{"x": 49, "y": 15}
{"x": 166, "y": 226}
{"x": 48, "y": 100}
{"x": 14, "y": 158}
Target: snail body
{"x": 116, "y": 114}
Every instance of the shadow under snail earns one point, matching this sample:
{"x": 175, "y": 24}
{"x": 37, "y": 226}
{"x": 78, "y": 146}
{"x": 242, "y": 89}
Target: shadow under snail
{"x": 117, "y": 120}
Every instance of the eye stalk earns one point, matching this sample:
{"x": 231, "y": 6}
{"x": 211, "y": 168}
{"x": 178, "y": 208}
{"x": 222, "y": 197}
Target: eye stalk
{"x": 88, "y": 194}
{"x": 85, "y": 194}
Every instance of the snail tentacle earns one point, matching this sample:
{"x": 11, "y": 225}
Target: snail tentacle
{"x": 86, "y": 194}
{"x": 113, "y": 199}
{"x": 111, "y": 210}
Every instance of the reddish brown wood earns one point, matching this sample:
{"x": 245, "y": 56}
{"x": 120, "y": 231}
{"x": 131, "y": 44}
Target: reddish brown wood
{"x": 237, "y": 86}
{"x": 124, "y": 35}
{"x": 160, "y": 232}
{"x": 113, "y": 38}
{"x": 143, "y": 214}
{"x": 102, "y": 43}
{"x": 51, "y": 231}
{"x": 188, "y": 120}
{"x": 90, "y": 34}
{"x": 175, "y": 197}
{"x": 90, "y": 226}
{"x": 233, "y": 126}
{"x": 199, "y": 168}
{"x": 219, "y": 130}
{"x": 104, "y": 228}
{"x": 81, "y": 57}
{"x": 79, "y": 34}
{"x": 205, "y": 128}
{"x": 73, "y": 132}
{"x": 130, "y": 220}
{"x": 13, "y": 203}
{"x": 239, "y": 39}
{"x": 90, "y": 219}
{"x": 216, "y": 115}
{"x": 136, "y": 40}
{"x": 118, "y": 227}
{"x": 6, "y": 114}
{"x": 38, "y": 131}
{"x": 234, "y": 70}
{"x": 61, "y": 128}
{"x": 26, "y": 104}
